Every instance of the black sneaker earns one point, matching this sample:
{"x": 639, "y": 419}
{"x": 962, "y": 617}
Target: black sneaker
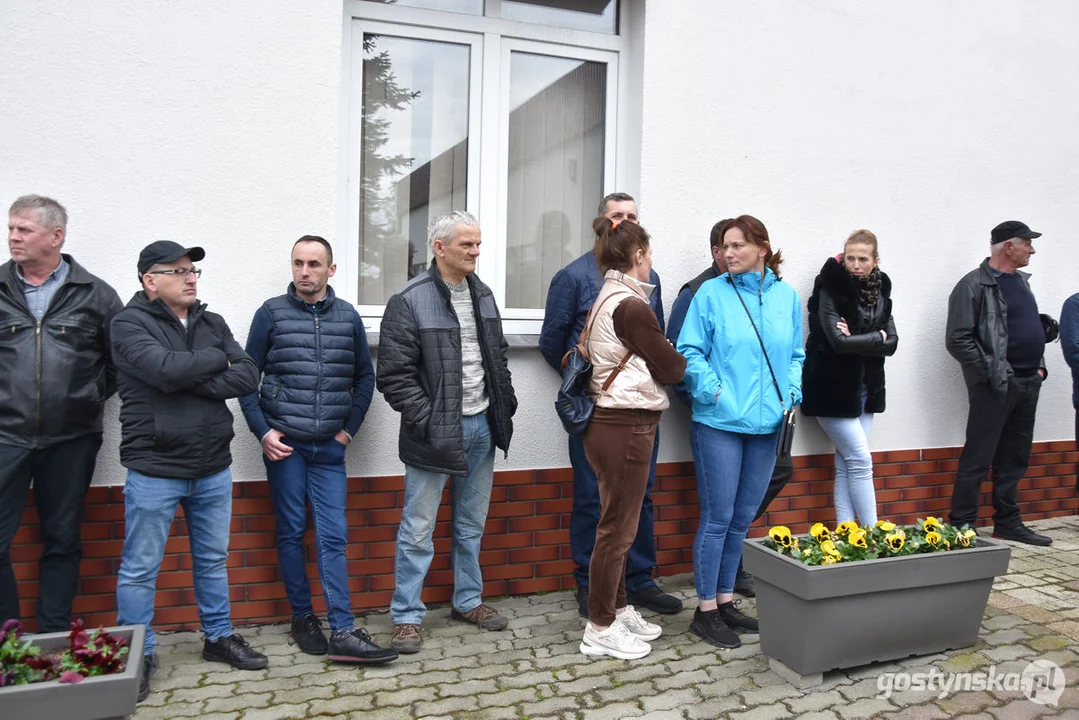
{"x": 307, "y": 632}
{"x": 651, "y": 597}
{"x": 356, "y": 646}
{"x": 149, "y": 667}
{"x": 1021, "y": 533}
{"x": 736, "y": 619}
{"x": 743, "y": 583}
{"x": 234, "y": 650}
{"x": 582, "y": 601}
{"x": 708, "y": 626}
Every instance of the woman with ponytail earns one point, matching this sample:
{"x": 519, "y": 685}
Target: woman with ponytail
{"x": 851, "y": 331}
{"x": 631, "y": 361}
{"x": 742, "y": 340}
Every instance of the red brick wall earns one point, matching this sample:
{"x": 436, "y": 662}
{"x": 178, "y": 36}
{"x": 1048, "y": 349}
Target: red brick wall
{"x": 526, "y": 546}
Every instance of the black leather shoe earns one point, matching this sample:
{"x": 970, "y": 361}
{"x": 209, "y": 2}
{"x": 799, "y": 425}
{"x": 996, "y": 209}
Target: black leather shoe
{"x": 736, "y": 619}
{"x": 234, "y": 650}
{"x": 743, "y": 584}
{"x": 358, "y": 647}
{"x": 654, "y": 599}
{"x": 709, "y": 626}
{"x": 582, "y": 601}
{"x": 307, "y": 632}
{"x": 1021, "y": 533}
{"x": 149, "y": 667}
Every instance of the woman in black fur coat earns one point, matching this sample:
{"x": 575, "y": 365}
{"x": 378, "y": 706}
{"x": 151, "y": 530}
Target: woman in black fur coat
{"x": 851, "y": 331}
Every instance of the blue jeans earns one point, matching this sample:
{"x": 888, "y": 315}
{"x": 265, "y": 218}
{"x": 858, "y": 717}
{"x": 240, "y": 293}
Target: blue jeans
{"x": 315, "y": 472}
{"x": 854, "y": 493}
{"x": 149, "y": 509}
{"x": 733, "y": 471}
{"x": 415, "y": 548}
{"x": 585, "y": 517}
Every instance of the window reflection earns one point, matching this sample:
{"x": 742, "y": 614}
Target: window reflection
{"x": 556, "y": 161}
{"x": 414, "y": 154}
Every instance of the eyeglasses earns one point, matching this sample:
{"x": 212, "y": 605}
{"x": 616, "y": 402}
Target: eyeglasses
{"x": 178, "y": 272}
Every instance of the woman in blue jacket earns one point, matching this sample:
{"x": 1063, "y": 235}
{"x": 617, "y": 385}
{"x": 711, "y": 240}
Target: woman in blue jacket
{"x": 737, "y": 410}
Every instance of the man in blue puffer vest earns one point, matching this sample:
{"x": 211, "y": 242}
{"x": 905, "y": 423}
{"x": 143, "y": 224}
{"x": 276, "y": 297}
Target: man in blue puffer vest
{"x": 317, "y": 383}
{"x": 573, "y": 290}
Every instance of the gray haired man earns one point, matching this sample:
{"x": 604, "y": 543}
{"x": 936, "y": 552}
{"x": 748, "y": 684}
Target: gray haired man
{"x": 442, "y": 365}
{"x": 57, "y": 373}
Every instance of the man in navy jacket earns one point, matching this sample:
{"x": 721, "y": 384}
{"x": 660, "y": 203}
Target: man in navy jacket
{"x": 1069, "y": 343}
{"x": 573, "y": 290}
{"x": 317, "y": 383}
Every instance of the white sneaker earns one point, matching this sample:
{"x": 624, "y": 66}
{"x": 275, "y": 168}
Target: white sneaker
{"x": 638, "y": 625}
{"x": 616, "y": 641}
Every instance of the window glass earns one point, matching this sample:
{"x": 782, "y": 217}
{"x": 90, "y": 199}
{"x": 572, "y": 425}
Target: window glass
{"x": 414, "y": 153}
{"x": 468, "y": 7}
{"x": 593, "y": 15}
{"x": 556, "y": 145}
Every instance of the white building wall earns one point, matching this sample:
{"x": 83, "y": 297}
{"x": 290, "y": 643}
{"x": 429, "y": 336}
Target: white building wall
{"x": 928, "y": 122}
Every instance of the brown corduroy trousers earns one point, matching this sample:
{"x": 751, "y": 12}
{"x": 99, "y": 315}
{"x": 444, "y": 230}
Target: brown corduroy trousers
{"x": 618, "y": 444}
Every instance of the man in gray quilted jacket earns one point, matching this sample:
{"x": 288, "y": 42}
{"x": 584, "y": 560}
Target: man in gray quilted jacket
{"x": 442, "y": 365}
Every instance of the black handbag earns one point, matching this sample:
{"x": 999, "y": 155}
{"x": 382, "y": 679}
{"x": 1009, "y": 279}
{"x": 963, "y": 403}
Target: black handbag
{"x": 790, "y": 420}
{"x": 573, "y": 403}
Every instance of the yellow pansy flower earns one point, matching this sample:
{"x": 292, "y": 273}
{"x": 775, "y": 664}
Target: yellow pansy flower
{"x": 885, "y": 525}
{"x": 828, "y": 560}
{"x": 846, "y": 527}
{"x": 930, "y": 523}
{"x": 828, "y": 548}
{"x": 969, "y": 534}
{"x": 963, "y": 540}
{"x": 820, "y": 533}
{"x": 807, "y": 552}
{"x": 933, "y": 538}
{"x": 895, "y": 540}
{"x": 781, "y": 535}
{"x": 857, "y": 539}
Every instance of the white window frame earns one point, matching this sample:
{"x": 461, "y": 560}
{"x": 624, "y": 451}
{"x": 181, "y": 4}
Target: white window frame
{"x": 491, "y": 40}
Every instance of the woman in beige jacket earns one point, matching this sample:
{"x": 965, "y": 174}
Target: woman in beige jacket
{"x": 625, "y": 341}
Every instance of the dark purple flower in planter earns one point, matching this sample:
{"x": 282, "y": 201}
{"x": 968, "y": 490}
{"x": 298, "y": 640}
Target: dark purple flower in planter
{"x": 10, "y": 626}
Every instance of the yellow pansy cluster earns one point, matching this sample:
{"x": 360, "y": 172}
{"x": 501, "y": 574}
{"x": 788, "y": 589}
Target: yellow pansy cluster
{"x": 850, "y": 542}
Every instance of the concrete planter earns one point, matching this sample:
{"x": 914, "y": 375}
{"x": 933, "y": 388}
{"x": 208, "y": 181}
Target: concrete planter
{"x": 815, "y": 619}
{"x": 106, "y": 697}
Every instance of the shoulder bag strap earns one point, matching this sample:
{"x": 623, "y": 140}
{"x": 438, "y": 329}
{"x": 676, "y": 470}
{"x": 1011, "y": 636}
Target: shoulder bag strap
{"x": 775, "y": 383}
{"x": 584, "y": 339}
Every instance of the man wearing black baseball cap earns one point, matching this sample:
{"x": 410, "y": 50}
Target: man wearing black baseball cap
{"x": 996, "y": 334}
{"x": 176, "y": 364}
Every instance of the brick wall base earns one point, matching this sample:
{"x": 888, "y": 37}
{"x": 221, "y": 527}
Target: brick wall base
{"x": 526, "y": 545}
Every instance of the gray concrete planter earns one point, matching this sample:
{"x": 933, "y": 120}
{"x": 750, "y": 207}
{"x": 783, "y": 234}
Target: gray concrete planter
{"x": 815, "y": 619}
{"x": 106, "y": 697}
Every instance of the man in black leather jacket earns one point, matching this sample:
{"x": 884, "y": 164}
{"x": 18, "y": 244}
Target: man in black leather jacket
{"x": 176, "y": 365}
{"x": 996, "y": 334}
{"x": 56, "y": 375}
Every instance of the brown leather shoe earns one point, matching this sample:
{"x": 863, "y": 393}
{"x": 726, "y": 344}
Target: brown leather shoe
{"x": 483, "y": 616}
{"x": 406, "y": 638}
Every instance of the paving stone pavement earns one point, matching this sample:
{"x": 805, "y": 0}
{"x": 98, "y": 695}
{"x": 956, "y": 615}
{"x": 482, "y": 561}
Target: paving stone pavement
{"x": 534, "y": 671}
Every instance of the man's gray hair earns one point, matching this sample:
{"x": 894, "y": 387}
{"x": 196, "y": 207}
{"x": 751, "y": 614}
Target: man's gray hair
{"x": 613, "y": 197}
{"x": 49, "y": 212}
{"x": 444, "y": 227}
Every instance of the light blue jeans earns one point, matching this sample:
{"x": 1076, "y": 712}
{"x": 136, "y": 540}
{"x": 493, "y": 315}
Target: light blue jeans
{"x": 733, "y": 471}
{"x": 854, "y": 493}
{"x": 149, "y": 508}
{"x": 471, "y": 497}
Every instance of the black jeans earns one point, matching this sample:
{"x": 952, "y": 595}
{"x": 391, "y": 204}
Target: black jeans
{"x": 999, "y": 435}
{"x": 61, "y": 474}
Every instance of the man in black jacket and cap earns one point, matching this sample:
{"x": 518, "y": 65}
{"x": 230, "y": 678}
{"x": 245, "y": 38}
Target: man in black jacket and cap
{"x": 176, "y": 365}
{"x": 56, "y": 375}
{"x": 996, "y": 334}
{"x": 442, "y": 365}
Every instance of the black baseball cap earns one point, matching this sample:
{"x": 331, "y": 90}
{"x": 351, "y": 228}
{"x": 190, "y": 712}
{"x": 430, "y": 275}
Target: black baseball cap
{"x": 1011, "y": 229}
{"x": 166, "y": 251}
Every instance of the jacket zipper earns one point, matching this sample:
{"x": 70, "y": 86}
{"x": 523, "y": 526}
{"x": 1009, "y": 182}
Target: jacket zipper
{"x": 318, "y": 378}
{"x": 764, "y": 351}
{"x": 37, "y": 374}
